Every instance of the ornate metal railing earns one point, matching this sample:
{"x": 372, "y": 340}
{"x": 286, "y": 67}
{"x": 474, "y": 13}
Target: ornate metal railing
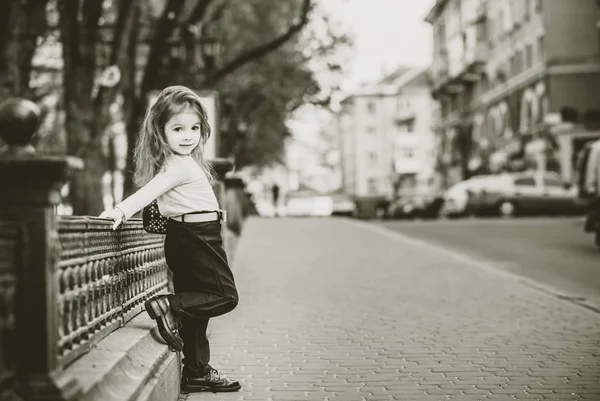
{"x": 11, "y": 260}
{"x": 102, "y": 279}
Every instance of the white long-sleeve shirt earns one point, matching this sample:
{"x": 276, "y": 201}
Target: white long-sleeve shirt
{"x": 592, "y": 175}
{"x": 180, "y": 188}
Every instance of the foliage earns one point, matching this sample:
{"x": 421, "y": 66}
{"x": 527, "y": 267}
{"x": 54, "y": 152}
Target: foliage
{"x": 267, "y": 69}
{"x": 262, "y": 96}
{"x": 21, "y": 24}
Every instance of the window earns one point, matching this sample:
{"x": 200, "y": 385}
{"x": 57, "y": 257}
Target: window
{"x": 485, "y": 83}
{"x": 371, "y": 106}
{"x": 372, "y": 159}
{"x": 372, "y": 185}
{"x": 513, "y": 65}
{"x": 519, "y": 62}
{"x": 538, "y": 5}
{"x": 528, "y": 56}
{"x": 518, "y": 11}
{"x": 440, "y": 33}
{"x": 509, "y": 19}
{"x": 540, "y": 48}
{"x": 481, "y": 34}
{"x": 503, "y": 71}
{"x": 552, "y": 182}
{"x": 406, "y": 153}
{"x": 525, "y": 182}
{"x": 527, "y": 9}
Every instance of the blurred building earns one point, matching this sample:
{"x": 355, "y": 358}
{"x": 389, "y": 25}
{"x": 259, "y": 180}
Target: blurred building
{"x": 414, "y": 153}
{"x": 307, "y": 165}
{"x": 516, "y": 82}
{"x": 385, "y": 136}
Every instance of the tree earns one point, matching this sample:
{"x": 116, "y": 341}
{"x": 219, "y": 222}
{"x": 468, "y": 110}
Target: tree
{"x": 21, "y": 24}
{"x": 263, "y": 95}
{"x": 87, "y": 28}
{"x": 177, "y": 21}
{"x": 137, "y": 37}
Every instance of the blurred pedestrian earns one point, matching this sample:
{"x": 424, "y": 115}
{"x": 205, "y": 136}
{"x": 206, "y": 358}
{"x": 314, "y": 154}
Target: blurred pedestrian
{"x": 171, "y": 168}
{"x": 275, "y": 196}
{"x": 591, "y": 178}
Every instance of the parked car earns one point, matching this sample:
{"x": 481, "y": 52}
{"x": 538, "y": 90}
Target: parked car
{"x": 527, "y": 193}
{"x": 307, "y": 203}
{"x": 382, "y": 208}
{"x": 456, "y": 197}
{"x": 343, "y": 205}
{"x": 418, "y": 204}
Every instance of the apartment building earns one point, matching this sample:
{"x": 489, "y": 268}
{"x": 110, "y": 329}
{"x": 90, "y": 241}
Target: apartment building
{"x": 516, "y": 83}
{"x": 413, "y": 140}
{"x": 385, "y": 136}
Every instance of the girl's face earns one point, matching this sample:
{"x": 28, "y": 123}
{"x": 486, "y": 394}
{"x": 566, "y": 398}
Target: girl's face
{"x": 182, "y": 132}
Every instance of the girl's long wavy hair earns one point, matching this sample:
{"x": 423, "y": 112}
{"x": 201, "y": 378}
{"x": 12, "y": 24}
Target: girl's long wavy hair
{"x": 151, "y": 149}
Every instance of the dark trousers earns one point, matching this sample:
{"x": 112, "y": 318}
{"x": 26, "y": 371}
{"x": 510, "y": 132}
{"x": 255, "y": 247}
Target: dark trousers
{"x": 196, "y": 348}
{"x": 204, "y": 286}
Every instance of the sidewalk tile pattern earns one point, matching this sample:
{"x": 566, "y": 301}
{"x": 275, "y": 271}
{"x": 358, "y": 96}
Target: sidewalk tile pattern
{"x": 330, "y": 310}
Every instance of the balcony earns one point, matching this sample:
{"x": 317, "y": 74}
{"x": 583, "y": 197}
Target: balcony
{"x": 404, "y": 116}
{"x": 481, "y": 12}
{"x": 439, "y": 69}
{"x": 442, "y": 83}
{"x": 474, "y": 60}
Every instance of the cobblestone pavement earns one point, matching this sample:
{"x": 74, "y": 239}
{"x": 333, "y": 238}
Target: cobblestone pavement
{"x": 333, "y": 309}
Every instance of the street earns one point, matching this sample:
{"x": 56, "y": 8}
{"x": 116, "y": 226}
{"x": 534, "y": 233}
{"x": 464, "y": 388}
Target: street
{"x": 554, "y": 252}
{"x": 345, "y": 310}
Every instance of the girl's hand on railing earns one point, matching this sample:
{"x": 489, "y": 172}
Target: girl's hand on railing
{"x": 115, "y": 215}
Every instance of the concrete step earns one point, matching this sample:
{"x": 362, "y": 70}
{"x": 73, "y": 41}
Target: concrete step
{"x": 130, "y": 364}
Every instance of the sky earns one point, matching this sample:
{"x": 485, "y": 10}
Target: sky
{"x": 387, "y": 34}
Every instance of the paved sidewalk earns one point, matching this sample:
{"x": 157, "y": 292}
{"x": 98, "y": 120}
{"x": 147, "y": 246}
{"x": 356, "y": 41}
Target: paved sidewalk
{"x": 333, "y": 309}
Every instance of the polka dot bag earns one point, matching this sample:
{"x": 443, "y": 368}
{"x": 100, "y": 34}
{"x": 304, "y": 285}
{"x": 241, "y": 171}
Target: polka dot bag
{"x": 154, "y": 222}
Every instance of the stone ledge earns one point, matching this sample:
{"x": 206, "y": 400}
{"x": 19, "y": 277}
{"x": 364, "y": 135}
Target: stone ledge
{"x": 130, "y": 364}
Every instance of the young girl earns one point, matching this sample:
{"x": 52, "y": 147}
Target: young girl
{"x": 170, "y": 168}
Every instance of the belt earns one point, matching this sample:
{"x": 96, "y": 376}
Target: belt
{"x": 200, "y": 217}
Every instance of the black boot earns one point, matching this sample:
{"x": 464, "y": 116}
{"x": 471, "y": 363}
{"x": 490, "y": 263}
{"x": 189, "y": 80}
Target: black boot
{"x": 211, "y": 381}
{"x": 159, "y": 309}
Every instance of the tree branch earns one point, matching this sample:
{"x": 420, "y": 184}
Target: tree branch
{"x": 218, "y": 11}
{"x": 166, "y": 25}
{"x": 261, "y": 50}
{"x": 198, "y": 13}
{"x": 92, "y": 10}
{"x": 69, "y": 31}
{"x": 122, "y": 32}
{"x": 35, "y": 26}
{"x": 11, "y": 8}
{"x": 79, "y": 40}
{"x": 121, "y": 36}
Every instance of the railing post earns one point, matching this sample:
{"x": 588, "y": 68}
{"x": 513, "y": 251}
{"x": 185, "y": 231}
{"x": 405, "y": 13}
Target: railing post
{"x": 236, "y": 208}
{"x": 29, "y": 194}
{"x": 221, "y": 166}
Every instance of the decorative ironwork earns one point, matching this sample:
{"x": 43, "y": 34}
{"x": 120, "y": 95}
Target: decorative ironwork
{"x": 11, "y": 247}
{"x": 102, "y": 278}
